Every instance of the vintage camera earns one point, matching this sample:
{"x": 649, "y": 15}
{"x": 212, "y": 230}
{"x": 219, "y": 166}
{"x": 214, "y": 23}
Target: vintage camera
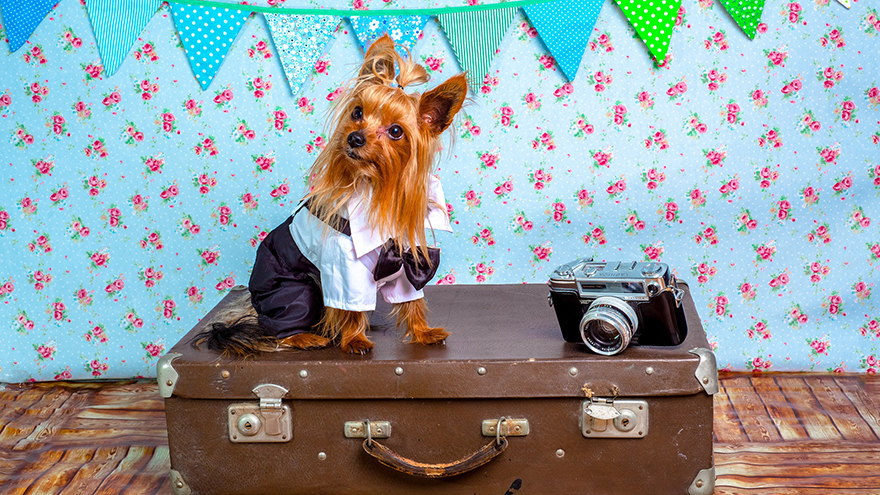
{"x": 609, "y": 305}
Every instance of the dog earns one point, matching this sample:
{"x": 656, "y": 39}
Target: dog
{"x": 361, "y": 226}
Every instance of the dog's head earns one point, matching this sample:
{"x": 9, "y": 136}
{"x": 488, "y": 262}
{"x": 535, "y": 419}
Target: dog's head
{"x": 385, "y": 140}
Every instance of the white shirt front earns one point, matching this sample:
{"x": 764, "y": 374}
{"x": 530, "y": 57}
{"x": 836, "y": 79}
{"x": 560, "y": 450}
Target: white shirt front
{"x": 346, "y": 263}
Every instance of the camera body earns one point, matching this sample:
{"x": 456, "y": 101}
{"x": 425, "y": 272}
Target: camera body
{"x": 610, "y": 305}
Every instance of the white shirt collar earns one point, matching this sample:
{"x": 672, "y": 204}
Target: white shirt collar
{"x": 366, "y": 238}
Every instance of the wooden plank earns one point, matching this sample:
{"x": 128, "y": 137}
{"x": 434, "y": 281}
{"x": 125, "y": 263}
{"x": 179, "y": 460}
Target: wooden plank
{"x": 125, "y": 476}
{"x": 47, "y": 428}
{"x": 19, "y": 419}
{"x": 53, "y": 480}
{"x": 756, "y": 422}
{"x": 814, "y": 419}
{"x": 27, "y": 467}
{"x": 92, "y": 474}
{"x": 728, "y": 428}
{"x": 854, "y": 389}
{"x": 842, "y": 411}
{"x": 780, "y": 411}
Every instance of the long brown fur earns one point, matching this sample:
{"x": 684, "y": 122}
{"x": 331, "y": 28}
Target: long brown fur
{"x": 395, "y": 173}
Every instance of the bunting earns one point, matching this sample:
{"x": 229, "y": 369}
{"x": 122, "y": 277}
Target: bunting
{"x": 207, "y": 34}
{"x": 845, "y": 3}
{"x": 565, "y": 27}
{"x": 653, "y": 21}
{"x": 22, "y": 19}
{"x": 208, "y": 29}
{"x": 117, "y": 24}
{"x": 475, "y": 37}
{"x": 746, "y": 13}
{"x": 405, "y": 30}
{"x": 300, "y": 40}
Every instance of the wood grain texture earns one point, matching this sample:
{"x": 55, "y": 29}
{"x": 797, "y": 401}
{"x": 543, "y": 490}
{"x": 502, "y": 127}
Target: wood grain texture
{"x": 774, "y": 434}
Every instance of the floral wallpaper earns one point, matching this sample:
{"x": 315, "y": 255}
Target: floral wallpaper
{"x": 132, "y": 203}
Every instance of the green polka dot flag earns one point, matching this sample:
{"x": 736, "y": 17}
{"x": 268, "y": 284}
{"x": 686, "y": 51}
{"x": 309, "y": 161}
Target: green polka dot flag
{"x": 653, "y": 21}
{"x": 207, "y": 34}
{"x": 746, "y": 13}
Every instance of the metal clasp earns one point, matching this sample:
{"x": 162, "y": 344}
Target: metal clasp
{"x": 266, "y": 422}
{"x": 611, "y": 417}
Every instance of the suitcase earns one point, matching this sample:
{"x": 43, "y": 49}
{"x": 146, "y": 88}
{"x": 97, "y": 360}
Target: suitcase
{"x": 505, "y": 406}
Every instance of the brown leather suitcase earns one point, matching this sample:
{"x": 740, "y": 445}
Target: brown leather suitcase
{"x": 414, "y": 419}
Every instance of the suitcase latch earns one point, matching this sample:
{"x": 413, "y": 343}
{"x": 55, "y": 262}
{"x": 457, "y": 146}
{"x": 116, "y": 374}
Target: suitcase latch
{"x": 266, "y": 422}
{"x": 604, "y": 417}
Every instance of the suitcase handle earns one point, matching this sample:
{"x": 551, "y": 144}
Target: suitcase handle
{"x": 470, "y": 462}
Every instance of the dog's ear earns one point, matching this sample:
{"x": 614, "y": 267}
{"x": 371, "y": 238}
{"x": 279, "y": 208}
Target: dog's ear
{"x": 379, "y": 61}
{"x": 438, "y": 107}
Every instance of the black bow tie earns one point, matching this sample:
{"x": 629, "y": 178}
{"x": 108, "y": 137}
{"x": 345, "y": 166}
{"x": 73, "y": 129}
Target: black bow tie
{"x": 418, "y": 274}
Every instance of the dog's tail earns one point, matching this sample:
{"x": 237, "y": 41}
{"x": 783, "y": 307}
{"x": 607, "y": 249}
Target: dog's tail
{"x": 243, "y": 337}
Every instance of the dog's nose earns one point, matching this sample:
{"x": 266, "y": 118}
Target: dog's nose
{"x": 356, "y": 139}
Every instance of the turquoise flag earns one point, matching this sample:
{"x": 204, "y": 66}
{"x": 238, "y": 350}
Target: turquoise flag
{"x": 21, "y": 18}
{"x": 403, "y": 29}
{"x": 300, "y": 40}
{"x": 117, "y": 24}
{"x": 207, "y": 34}
{"x": 475, "y": 37}
{"x": 565, "y": 27}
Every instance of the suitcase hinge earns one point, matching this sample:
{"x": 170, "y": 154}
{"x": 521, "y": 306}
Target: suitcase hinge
{"x": 605, "y": 417}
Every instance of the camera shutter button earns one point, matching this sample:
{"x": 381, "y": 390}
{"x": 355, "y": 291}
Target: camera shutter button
{"x": 651, "y": 269}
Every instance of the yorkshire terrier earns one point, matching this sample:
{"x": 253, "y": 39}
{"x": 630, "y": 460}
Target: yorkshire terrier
{"x": 361, "y": 226}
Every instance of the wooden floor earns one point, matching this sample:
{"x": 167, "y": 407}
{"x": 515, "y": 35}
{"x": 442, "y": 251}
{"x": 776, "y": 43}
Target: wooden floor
{"x": 774, "y": 434}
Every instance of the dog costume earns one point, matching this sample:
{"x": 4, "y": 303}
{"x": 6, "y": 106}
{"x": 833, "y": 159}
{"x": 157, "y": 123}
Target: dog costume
{"x": 304, "y": 264}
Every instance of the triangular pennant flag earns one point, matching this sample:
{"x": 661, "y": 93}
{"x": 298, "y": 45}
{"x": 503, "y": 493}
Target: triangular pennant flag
{"x": 845, "y": 3}
{"x": 746, "y": 13}
{"x": 300, "y": 40}
{"x": 565, "y": 27}
{"x": 653, "y": 22}
{"x": 403, "y": 29}
{"x": 207, "y": 34}
{"x": 117, "y": 24}
{"x": 21, "y": 18}
{"x": 474, "y": 37}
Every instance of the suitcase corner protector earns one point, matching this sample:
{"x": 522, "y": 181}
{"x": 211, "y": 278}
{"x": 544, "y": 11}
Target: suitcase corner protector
{"x": 707, "y": 370}
{"x": 166, "y": 374}
{"x": 703, "y": 484}
{"x": 178, "y": 485}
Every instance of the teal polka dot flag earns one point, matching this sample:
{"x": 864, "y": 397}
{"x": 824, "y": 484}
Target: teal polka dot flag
{"x": 746, "y": 13}
{"x": 117, "y": 23}
{"x": 565, "y": 27}
{"x": 22, "y": 18}
{"x": 653, "y": 20}
{"x": 207, "y": 34}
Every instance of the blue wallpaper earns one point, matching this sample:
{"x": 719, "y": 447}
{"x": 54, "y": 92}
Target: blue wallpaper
{"x": 132, "y": 203}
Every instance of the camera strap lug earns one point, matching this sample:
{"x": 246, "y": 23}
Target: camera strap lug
{"x": 608, "y": 417}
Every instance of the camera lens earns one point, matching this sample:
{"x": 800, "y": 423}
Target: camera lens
{"x": 608, "y": 325}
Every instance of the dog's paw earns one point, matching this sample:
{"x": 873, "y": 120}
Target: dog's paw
{"x": 428, "y": 336}
{"x": 358, "y": 345}
{"x": 305, "y": 341}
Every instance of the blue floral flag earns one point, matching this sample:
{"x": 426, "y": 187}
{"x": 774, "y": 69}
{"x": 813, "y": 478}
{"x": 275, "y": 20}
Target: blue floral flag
{"x": 565, "y": 27}
{"x": 117, "y": 24}
{"x": 207, "y": 34}
{"x": 300, "y": 40}
{"x": 21, "y": 18}
{"x": 403, "y": 29}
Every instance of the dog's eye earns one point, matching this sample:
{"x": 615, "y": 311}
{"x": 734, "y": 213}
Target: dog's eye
{"x": 357, "y": 113}
{"x": 395, "y": 132}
